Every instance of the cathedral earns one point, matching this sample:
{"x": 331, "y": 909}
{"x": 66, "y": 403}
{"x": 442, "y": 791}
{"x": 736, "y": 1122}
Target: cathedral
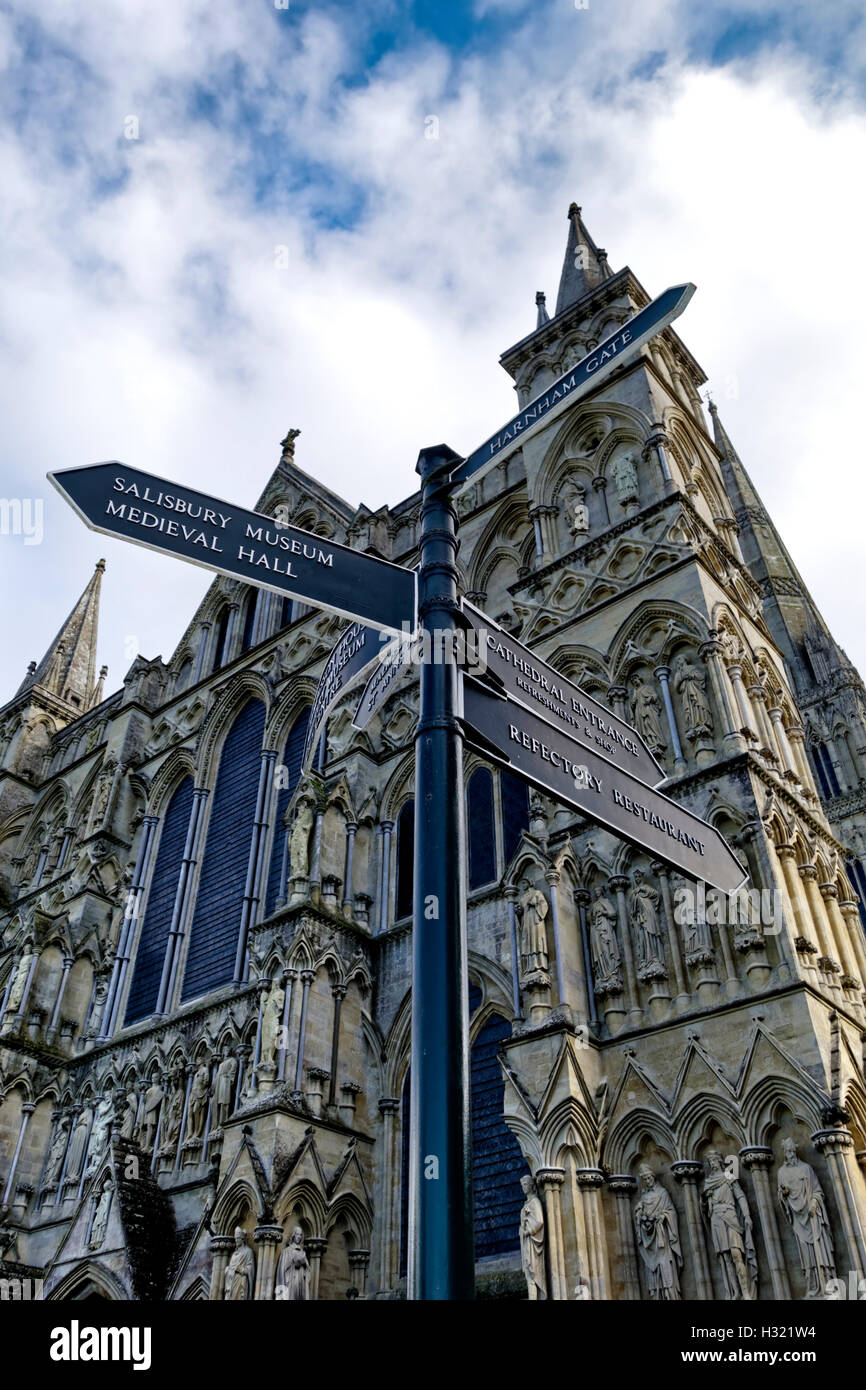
{"x": 205, "y": 939}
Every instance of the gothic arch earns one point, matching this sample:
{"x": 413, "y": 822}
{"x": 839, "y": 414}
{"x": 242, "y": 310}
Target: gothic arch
{"x": 238, "y": 1199}
{"x": 773, "y": 1094}
{"x": 623, "y": 1145}
{"x": 228, "y": 702}
{"x": 168, "y": 777}
{"x": 693, "y": 625}
{"x": 398, "y": 789}
{"x": 86, "y": 1280}
{"x": 698, "y": 1116}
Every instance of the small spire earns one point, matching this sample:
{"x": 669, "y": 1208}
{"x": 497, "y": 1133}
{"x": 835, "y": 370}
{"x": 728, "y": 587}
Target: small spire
{"x": 584, "y": 267}
{"x": 96, "y": 697}
{"x": 543, "y": 315}
{"x": 68, "y": 667}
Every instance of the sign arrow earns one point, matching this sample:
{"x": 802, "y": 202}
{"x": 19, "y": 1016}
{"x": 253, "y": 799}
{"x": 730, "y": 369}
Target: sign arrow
{"x": 524, "y": 677}
{"x": 355, "y": 649}
{"x": 574, "y": 383}
{"x": 555, "y": 763}
{"x": 122, "y": 501}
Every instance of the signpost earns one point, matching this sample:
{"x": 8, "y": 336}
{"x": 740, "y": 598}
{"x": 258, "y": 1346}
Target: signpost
{"x": 573, "y": 773}
{"x": 381, "y": 681}
{"x": 537, "y": 723}
{"x": 576, "y": 382}
{"x": 124, "y": 502}
{"x": 525, "y": 677}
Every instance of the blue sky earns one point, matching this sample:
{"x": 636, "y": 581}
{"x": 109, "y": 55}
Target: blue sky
{"x": 220, "y": 221}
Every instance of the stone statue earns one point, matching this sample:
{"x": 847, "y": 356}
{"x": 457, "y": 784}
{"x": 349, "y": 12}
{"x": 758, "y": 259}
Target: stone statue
{"x": 603, "y": 945}
{"x": 150, "y": 1115}
{"x": 576, "y": 511}
{"x": 805, "y": 1206}
{"x": 299, "y": 840}
{"x": 16, "y": 993}
{"x": 127, "y": 1124}
{"x": 532, "y": 1240}
{"x": 727, "y": 1210}
{"x": 272, "y": 1018}
{"x": 293, "y": 1270}
{"x": 224, "y": 1097}
{"x": 198, "y": 1097}
{"x": 78, "y": 1143}
{"x": 533, "y": 933}
{"x": 100, "y": 1218}
{"x": 99, "y": 1134}
{"x": 691, "y": 686}
{"x": 646, "y": 716}
{"x": 173, "y": 1116}
{"x": 239, "y": 1278}
{"x": 54, "y": 1161}
{"x": 658, "y": 1238}
{"x": 644, "y": 911}
{"x": 625, "y": 478}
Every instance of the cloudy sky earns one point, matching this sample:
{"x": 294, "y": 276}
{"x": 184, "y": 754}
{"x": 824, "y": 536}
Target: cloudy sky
{"x": 222, "y": 220}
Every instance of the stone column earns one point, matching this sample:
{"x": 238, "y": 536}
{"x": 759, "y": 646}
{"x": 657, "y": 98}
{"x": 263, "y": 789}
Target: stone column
{"x": 618, "y": 697}
{"x": 511, "y": 897}
{"x": 339, "y": 993}
{"x": 851, "y": 915}
{"x": 688, "y": 1174}
{"x": 553, "y": 876}
{"x": 804, "y": 942}
{"x": 591, "y": 1181}
{"x": 201, "y": 655}
{"x": 267, "y": 1240}
{"x": 358, "y": 1263}
{"x": 599, "y": 484}
{"x": 711, "y": 652}
{"x": 307, "y": 978}
{"x": 782, "y": 744}
{"x": 315, "y": 880}
{"x": 759, "y": 704}
{"x": 758, "y": 1161}
{"x": 748, "y": 729}
{"x": 351, "y": 830}
{"x": 289, "y": 977}
{"x": 61, "y": 989}
{"x": 26, "y": 1111}
{"x": 623, "y": 1188}
{"x": 825, "y": 962}
{"x": 389, "y": 1254}
{"x": 131, "y": 915}
{"x": 25, "y": 997}
{"x": 182, "y": 901}
{"x": 221, "y": 1248}
{"x": 841, "y": 939}
{"x": 660, "y": 870}
{"x": 549, "y": 1181}
{"x": 385, "y": 875}
{"x": 797, "y": 742}
{"x": 635, "y": 1012}
{"x": 315, "y": 1247}
{"x": 837, "y": 1146}
{"x": 662, "y": 675}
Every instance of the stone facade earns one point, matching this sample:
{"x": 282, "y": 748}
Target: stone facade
{"x": 205, "y": 966}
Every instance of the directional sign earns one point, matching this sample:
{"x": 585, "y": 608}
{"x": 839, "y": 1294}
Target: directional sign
{"x": 576, "y": 382}
{"x": 353, "y": 652}
{"x": 523, "y": 676}
{"x": 122, "y": 501}
{"x": 395, "y": 658}
{"x": 578, "y": 777}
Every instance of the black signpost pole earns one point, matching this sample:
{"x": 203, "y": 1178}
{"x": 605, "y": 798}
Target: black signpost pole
{"x": 441, "y": 1248}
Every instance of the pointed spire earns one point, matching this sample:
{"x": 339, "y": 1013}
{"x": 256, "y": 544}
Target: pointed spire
{"x": 543, "y": 315}
{"x": 740, "y": 487}
{"x": 585, "y": 265}
{"x": 68, "y": 668}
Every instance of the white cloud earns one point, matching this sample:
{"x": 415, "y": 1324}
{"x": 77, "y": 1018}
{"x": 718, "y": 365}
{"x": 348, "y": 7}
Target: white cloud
{"x": 153, "y": 326}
